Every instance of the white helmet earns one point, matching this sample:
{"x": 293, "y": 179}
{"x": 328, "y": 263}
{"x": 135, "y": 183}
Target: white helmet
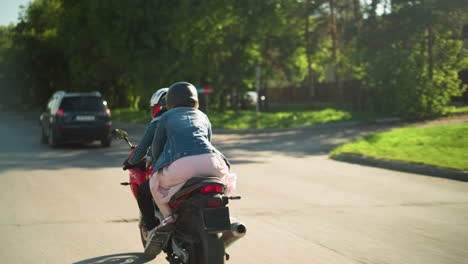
{"x": 157, "y": 96}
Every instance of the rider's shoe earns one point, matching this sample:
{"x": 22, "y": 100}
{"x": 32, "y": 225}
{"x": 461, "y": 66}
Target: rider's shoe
{"x": 158, "y": 236}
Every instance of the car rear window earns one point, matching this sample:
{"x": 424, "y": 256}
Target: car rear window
{"x": 82, "y": 103}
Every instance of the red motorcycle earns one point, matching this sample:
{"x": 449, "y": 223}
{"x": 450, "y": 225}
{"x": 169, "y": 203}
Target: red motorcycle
{"x": 203, "y": 228}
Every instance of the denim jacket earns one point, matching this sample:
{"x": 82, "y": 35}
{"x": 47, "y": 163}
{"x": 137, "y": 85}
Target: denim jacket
{"x": 181, "y": 132}
{"x": 143, "y": 148}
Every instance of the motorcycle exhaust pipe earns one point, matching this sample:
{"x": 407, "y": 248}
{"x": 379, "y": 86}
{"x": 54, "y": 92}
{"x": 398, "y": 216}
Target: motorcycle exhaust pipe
{"x": 237, "y": 231}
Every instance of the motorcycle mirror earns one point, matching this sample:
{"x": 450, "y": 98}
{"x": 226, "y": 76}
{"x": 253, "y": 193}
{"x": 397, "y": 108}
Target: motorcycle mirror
{"x": 119, "y": 133}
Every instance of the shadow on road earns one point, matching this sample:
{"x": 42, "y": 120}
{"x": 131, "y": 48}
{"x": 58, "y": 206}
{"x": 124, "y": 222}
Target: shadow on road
{"x": 21, "y": 148}
{"x": 299, "y": 143}
{"x": 127, "y": 258}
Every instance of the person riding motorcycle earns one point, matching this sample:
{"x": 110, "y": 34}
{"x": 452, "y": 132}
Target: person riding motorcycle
{"x": 181, "y": 150}
{"x": 144, "y": 197}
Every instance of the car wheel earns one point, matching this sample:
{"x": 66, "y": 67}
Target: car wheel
{"x": 106, "y": 142}
{"x": 44, "y": 139}
{"x": 53, "y": 141}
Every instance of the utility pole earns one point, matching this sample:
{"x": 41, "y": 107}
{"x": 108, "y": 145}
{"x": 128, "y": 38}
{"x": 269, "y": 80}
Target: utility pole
{"x": 335, "y": 48}
{"x": 258, "y": 72}
{"x": 310, "y": 83}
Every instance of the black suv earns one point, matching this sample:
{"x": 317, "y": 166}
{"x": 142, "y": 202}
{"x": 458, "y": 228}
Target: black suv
{"x": 76, "y": 117}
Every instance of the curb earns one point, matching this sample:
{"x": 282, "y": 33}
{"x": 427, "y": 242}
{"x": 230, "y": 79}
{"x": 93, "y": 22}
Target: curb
{"x": 417, "y": 168}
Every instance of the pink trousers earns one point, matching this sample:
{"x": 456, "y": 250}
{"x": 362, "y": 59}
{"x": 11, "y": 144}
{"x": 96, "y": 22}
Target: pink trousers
{"x": 170, "y": 179}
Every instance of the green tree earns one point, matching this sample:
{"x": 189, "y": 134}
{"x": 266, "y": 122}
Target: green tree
{"x": 129, "y": 49}
{"x": 36, "y": 45}
{"x": 411, "y": 57}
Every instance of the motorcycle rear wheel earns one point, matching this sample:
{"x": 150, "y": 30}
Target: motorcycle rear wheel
{"x": 143, "y": 232}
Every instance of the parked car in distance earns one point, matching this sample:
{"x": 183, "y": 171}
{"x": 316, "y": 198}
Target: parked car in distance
{"x": 76, "y": 117}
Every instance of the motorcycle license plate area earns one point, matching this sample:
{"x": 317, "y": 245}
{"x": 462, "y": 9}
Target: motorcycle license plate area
{"x": 216, "y": 219}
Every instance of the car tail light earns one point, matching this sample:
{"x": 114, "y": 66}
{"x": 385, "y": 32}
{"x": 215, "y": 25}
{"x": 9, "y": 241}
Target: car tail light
{"x": 60, "y": 112}
{"x": 213, "y": 188}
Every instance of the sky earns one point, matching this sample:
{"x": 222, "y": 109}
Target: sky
{"x": 9, "y": 10}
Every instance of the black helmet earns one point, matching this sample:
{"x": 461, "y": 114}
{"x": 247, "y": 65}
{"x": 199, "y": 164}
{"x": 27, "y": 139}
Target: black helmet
{"x": 182, "y": 94}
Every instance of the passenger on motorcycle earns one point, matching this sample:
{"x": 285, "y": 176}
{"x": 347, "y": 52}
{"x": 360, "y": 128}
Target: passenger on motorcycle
{"x": 182, "y": 149}
{"x": 144, "y": 197}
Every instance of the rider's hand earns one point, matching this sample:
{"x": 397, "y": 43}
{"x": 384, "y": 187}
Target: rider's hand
{"x": 126, "y": 164}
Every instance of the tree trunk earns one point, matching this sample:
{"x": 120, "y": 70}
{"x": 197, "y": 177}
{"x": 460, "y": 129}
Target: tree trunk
{"x": 334, "y": 47}
{"x": 333, "y": 30}
{"x": 373, "y": 13}
{"x": 310, "y": 84}
{"x": 265, "y": 103}
{"x": 356, "y": 10}
{"x": 222, "y": 100}
{"x": 430, "y": 48}
{"x": 357, "y": 15}
{"x": 422, "y": 53}
{"x": 263, "y": 79}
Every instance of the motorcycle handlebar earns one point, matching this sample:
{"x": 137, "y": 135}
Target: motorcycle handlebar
{"x": 141, "y": 164}
{"x": 129, "y": 143}
{"x": 127, "y": 166}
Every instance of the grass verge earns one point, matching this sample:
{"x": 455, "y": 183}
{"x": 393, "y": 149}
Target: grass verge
{"x": 131, "y": 115}
{"x": 456, "y": 109}
{"x": 443, "y": 145}
{"x": 251, "y": 119}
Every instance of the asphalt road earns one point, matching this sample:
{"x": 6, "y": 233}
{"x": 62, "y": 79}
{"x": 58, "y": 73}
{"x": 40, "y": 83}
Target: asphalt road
{"x": 65, "y": 205}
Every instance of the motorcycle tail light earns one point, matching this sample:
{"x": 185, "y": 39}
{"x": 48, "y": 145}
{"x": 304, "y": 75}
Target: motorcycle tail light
{"x": 213, "y": 188}
{"x": 214, "y": 204}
